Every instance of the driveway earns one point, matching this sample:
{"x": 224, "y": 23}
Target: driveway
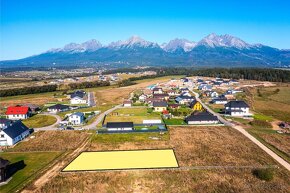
{"x": 100, "y": 118}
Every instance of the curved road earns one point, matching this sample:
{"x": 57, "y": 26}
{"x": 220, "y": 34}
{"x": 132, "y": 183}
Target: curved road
{"x": 100, "y": 118}
{"x": 50, "y": 127}
{"x": 245, "y": 133}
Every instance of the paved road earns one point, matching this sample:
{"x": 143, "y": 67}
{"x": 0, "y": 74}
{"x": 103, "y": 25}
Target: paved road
{"x": 50, "y": 127}
{"x": 245, "y": 133}
{"x": 91, "y": 99}
{"x": 100, "y": 118}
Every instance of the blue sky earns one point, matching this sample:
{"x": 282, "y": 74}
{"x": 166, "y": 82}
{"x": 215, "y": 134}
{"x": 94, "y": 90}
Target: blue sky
{"x": 32, "y": 26}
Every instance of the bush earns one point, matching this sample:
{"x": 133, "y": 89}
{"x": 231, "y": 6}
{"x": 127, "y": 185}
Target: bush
{"x": 261, "y": 123}
{"x": 149, "y": 110}
{"x": 264, "y": 174}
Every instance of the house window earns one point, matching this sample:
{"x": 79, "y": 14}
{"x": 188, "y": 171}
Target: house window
{"x": 2, "y": 136}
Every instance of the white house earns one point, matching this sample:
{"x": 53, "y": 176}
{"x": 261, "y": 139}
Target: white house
{"x": 76, "y": 118}
{"x": 237, "y": 108}
{"x": 219, "y": 101}
{"x": 142, "y": 98}
{"x": 120, "y": 126}
{"x": 58, "y": 108}
{"x": 157, "y": 90}
{"x": 201, "y": 118}
{"x": 18, "y": 112}
{"x": 127, "y": 103}
{"x": 78, "y": 97}
{"x": 14, "y": 133}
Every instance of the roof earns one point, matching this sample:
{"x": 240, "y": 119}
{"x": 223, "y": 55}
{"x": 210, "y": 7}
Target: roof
{"x": 120, "y": 124}
{"x": 58, "y": 106}
{"x": 201, "y": 116}
{"x": 15, "y": 129}
{"x": 157, "y": 89}
{"x": 31, "y": 106}
{"x": 17, "y": 110}
{"x": 237, "y": 104}
{"x": 4, "y": 163}
{"x": 193, "y": 103}
{"x": 160, "y": 104}
{"x": 182, "y": 97}
{"x": 78, "y": 93}
{"x": 160, "y": 95}
{"x": 78, "y": 114}
{"x": 4, "y": 121}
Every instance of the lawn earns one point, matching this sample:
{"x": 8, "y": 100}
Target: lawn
{"x": 135, "y": 115}
{"x": 174, "y": 122}
{"x": 33, "y": 163}
{"x": 39, "y": 120}
{"x": 154, "y": 127}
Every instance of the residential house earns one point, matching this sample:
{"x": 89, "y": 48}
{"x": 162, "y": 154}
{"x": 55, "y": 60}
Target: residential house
{"x": 164, "y": 96}
{"x": 14, "y": 133}
{"x": 220, "y": 100}
{"x": 184, "y": 100}
{"x": 205, "y": 87}
{"x": 4, "y": 123}
{"x": 127, "y": 103}
{"x": 201, "y": 118}
{"x": 18, "y": 112}
{"x": 78, "y": 97}
{"x": 160, "y": 106}
{"x": 76, "y": 118}
{"x": 210, "y": 93}
{"x": 120, "y": 126}
{"x": 151, "y": 100}
{"x": 34, "y": 108}
{"x": 172, "y": 93}
{"x": 196, "y": 105}
{"x": 237, "y": 108}
{"x": 174, "y": 106}
{"x": 142, "y": 98}
{"x": 4, "y": 169}
{"x": 58, "y": 108}
{"x": 157, "y": 90}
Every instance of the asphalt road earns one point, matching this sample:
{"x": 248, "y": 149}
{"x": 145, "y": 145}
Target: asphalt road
{"x": 50, "y": 127}
{"x": 245, "y": 133}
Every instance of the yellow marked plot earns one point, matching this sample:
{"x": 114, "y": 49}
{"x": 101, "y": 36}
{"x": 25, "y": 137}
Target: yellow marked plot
{"x": 118, "y": 160}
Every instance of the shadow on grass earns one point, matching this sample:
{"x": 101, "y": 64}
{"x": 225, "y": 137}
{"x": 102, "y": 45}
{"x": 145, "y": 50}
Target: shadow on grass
{"x": 15, "y": 167}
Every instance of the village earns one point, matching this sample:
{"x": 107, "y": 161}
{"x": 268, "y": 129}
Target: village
{"x": 191, "y": 102}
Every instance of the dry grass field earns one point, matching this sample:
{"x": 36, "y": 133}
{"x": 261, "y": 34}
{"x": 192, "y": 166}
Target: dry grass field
{"x": 52, "y": 141}
{"x": 271, "y": 101}
{"x": 204, "y": 146}
{"x": 280, "y": 141}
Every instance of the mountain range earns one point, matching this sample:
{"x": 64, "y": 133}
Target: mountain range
{"x": 212, "y": 51}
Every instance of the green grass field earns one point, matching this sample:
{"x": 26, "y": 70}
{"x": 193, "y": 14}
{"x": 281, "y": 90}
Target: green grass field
{"x": 174, "y": 122}
{"x": 136, "y": 115}
{"x": 39, "y": 121}
{"x": 33, "y": 163}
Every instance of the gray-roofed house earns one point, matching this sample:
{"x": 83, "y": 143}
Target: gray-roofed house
{"x": 58, "y": 108}
{"x": 76, "y": 118}
{"x": 160, "y": 106}
{"x": 183, "y": 99}
{"x": 237, "y": 108}
{"x": 201, "y": 118}
{"x": 14, "y": 133}
{"x": 78, "y": 97}
{"x": 120, "y": 126}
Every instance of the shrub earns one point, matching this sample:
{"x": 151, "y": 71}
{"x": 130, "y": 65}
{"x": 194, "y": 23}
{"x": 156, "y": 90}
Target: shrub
{"x": 264, "y": 174}
{"x": 261, "y": 123}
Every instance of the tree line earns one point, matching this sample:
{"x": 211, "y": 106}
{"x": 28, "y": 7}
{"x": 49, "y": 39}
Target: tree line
{"x": 260, "y": 74}
{"x": 51, "y": 88}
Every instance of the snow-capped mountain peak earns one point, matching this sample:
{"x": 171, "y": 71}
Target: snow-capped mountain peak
{"x": 132, "y": 42}
{"x": 176, "y": 44}
{"x": 91, "y": 45}
{"x": 213, "y": 40}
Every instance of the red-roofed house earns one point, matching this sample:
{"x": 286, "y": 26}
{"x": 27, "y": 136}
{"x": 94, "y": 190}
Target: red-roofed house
{"x": 18, "y": 112}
